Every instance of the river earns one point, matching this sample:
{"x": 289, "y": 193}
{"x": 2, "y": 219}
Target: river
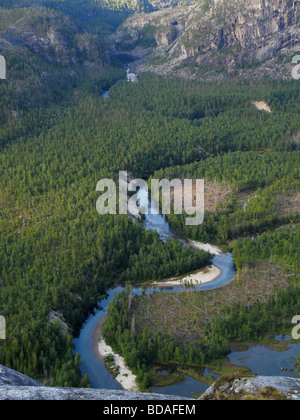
{"x": 131, "y": 78}
{"x": 98, "y": 374}
{"x": 254, "y": 358}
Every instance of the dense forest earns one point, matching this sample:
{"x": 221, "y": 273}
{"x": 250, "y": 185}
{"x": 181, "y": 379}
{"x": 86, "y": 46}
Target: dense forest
{"x": 160, "y": 260}
{"x": 262, "y": 209}
{"x": 247, "y": 317}
{"x": 56, "y": 252}
{"x": 59, "y": 137}
{"x": 262, "y": 167}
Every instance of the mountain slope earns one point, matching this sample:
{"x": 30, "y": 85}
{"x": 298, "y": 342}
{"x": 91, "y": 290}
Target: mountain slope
{"x": 46, "y": 54}
{"x": 215, "y": 37}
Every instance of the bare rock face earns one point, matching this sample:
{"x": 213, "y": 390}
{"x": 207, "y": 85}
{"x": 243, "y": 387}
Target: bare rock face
{"x": 9, "y": 377}
{"x": 228, "y": 34}
{"x": 61, "y": 394}
{"x": 50, "y": 45}
{"x": 289, "y": 388}
{"x": 270, "y": 27}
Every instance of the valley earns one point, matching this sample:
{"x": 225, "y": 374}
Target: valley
{"x": 162, "y": 90}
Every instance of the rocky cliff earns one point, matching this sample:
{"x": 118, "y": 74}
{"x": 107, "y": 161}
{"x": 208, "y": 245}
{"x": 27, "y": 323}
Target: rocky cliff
{"x": 215, "y": 38}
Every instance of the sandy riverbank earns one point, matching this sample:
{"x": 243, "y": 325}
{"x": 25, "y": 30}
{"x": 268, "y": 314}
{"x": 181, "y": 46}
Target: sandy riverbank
{"x": 206, "y": 275}
{"x": 205, "y": 247}
{"x": 125, "y": 377}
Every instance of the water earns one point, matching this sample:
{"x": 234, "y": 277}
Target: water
{"x": 98, "y": 374}
{"x": 267, "y": 362}
{"x": 259, "y": 359}
{"x": 131, "y": 78}
{"x": 283, "y": 337}
{"x": 160, "y": 224}
{"x": 105, "y": 94}
{"x": 188, "y": 388}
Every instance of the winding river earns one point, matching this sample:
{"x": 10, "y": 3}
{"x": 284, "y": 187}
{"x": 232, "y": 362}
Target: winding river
{"x": 98, "y": 374}
{"x": 258, "y": 359}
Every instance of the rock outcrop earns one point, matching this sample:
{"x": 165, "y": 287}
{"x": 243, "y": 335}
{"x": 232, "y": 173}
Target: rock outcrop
{"x": 216, "y": 37}
{"x": 274, "y": 387}
{"x": 9, "y": 377}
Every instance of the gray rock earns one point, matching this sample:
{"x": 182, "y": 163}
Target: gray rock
{"x": 13, "y": 378}
{"x": 289, "y": 386}
{"x": 16, "y": 386}
{"x": 259, "y": 35}
{"x": 45, "y": 393}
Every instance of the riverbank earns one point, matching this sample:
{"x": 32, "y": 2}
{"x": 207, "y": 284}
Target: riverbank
{"x": 206, "y": 275}
{"x": 212, "y": 249}
{"x": 125, "y": 377}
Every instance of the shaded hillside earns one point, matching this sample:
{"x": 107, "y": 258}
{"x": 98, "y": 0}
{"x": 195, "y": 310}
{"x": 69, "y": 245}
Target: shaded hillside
{"x": 47, "y": 55}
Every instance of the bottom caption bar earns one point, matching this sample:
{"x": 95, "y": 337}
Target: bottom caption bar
{"x": 135, "y": 409}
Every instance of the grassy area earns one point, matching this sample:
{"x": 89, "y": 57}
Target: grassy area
{"x": 241, "y": 347}
{"x": 223, "y": 367}
{"x": 268, "y": 342}
{"x": 161, "y": 379}
{"x": 208, "y": 380}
